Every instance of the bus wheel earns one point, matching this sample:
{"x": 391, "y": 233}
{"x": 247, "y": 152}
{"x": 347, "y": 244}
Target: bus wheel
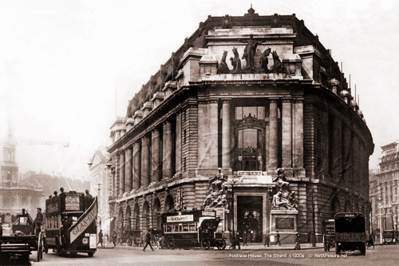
{"x": 221, "y": 244}
{"x": 90, "y": 254}
{"x": 363, "y": 250}
{"x": 40, "y": 247}
{"x": 170, "y": 242}
{"x": 336, "y": 248}
{"x": 205, "y": 244}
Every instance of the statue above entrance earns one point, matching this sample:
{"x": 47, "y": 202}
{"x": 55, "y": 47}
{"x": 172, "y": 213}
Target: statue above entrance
{"x": 284, "y": 198}
{"x": 217, "y": 194}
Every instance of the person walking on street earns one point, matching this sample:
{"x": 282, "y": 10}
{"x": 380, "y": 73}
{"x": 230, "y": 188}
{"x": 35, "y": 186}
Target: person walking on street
{"x": 278, "y": 239}
{"x": 267, "y": 240}
{"x": 235, "y": 241}
{"x": 100, "y": 238}
{"x": 244, "y": 238}
{"x": 148, "y": 241}
{"x": 297, "y": 242}
{"x": 114, "y": 236}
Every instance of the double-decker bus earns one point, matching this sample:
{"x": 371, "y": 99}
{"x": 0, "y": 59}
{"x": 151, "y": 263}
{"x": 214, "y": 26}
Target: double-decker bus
{"x": 192, "y": 229}
{"x": 389, "y": 236}
{"x": 71, "y": 223}
{"x": 350, "y": 232}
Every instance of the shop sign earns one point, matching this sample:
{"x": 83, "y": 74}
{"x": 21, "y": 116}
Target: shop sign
{"x": 180, "y": 218}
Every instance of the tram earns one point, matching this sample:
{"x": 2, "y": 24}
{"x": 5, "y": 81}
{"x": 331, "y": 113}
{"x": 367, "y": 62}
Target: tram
{"x": 192, "y": 229}
{"x": 71, "y": 223}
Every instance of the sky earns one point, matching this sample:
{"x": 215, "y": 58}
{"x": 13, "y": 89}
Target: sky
{"x": 68, "y": 68}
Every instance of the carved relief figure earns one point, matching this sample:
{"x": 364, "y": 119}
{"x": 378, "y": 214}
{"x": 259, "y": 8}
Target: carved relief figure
{"x": 284, "y": 197}
{"x": 278, "y": 66}
{"x": 223, "y": 68}
{"x": 264, "y": 60}
{"x": 249, "y": 52}
{"x": 236, "y": 61}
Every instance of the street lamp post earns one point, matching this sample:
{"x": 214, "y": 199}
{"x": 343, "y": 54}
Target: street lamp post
{"x": 313, "y": 222}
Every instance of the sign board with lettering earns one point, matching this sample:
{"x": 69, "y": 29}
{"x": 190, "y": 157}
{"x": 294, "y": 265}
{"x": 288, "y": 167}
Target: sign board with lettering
{"x": 285, "y": 223}
{"x": 72, "y": 203}
{"x": 83, "y": 222}
{"x": 180, "y": 218}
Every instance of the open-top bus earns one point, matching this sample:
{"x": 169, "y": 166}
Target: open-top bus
{"x": 350, "y": 232}
{"x": 192, "y": 229}
{"x": 71, "y": 223}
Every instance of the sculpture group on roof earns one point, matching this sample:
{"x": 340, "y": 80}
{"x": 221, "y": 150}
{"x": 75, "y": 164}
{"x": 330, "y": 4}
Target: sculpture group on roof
{"x": 249, "y": 57}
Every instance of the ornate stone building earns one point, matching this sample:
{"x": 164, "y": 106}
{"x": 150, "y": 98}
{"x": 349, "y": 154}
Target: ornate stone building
{"x": 99, "y": 186}
{"x": 384, "y": 197}
{"x": 13, "y": 195}
{"x": 247, "y": 94}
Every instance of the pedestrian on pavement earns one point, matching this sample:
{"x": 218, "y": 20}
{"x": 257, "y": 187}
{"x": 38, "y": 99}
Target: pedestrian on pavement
{"x": 235, "y": 241}
{"x": 278, "y": 239}
{"x": 100, "y": 238}
{"x": 267, "y": 240}
{"x": 244, "y": 238}
{"x": 297, "y": 242}
{"x": 148, "y": 241}
{"x": 114, "y": 236}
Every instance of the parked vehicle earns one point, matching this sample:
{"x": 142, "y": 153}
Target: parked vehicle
{"x": 389, "y": 237}
{"x": 350, "y": 232}
{"x": 329, "y": 234}
{"x": 18, "y": 242}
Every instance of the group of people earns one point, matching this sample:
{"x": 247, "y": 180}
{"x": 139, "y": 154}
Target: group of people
{"x": 235, "y": 240}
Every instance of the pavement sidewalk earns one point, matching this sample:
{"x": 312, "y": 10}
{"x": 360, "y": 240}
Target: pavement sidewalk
{"x": 250, "y": 246}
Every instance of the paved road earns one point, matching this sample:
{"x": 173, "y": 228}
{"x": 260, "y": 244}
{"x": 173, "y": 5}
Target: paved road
{"x": 381, "y": 255}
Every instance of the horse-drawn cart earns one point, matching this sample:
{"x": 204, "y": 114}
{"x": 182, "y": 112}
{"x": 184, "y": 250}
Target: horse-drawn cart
{"x": 20, "y": 243}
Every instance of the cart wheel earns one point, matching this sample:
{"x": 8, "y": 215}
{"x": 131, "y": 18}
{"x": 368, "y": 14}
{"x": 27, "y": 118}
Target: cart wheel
{"x": 170, "y": 242}
{"x": 221, "y": 244}
{"x": 205, "y": 244}
{"x": 129, "y": 242}
{"x": 39, "y": 255}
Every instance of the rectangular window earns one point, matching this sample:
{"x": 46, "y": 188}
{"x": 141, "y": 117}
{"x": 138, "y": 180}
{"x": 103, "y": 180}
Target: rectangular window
{"x": 185, "y": 136}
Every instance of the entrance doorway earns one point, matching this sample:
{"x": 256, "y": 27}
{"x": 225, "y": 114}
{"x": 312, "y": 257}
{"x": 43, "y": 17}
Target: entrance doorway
{"x": 249, "y": 217}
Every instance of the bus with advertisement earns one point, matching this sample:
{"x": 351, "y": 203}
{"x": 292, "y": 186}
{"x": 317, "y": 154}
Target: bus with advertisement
{"x": 71, "y": 223}
{"x": 197, "y": 228}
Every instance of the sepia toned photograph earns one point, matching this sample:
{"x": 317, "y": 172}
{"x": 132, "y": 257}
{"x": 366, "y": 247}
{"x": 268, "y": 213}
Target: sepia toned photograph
{"x": 199, "y": 132}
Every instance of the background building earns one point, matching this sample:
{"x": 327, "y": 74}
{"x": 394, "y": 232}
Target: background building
{"x": 249, "y": 95}
{"x": 14, "y": 195}
{"x": 99, "y": 186}
{"x": 384, "y": 197}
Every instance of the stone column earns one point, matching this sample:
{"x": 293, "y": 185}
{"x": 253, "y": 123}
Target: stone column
{"x": 226, "y": 135}
{"x": 155, "y": 175}
{"x": 273, "y": 125}
{"x": 145, "y": 161}
{"x": 286, "y": 140}
{"x": 298, "y": 134}
{"x": 128, "y": 169}
{"x": 346, "y": 140}
{"x": 167, "y": 150}
{"x": 121, "y": 172}
{"x": 212, "y": 153}
{"x": 355, "y": 158}
{"x": 136, "y": 164}
{"x": 337, "y": 149}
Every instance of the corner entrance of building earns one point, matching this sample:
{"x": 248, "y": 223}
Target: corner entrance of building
{"x": 249, "y": 217}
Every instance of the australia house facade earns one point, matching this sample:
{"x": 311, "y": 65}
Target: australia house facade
{"x": 252, "y": 117}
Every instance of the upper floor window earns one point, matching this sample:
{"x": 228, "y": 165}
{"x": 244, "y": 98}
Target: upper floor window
{"x": 255, "y": 111}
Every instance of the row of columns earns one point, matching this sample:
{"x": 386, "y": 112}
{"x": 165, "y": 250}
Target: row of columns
{"x": 292, "y": 133}
{"x": 141, "y": 164}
